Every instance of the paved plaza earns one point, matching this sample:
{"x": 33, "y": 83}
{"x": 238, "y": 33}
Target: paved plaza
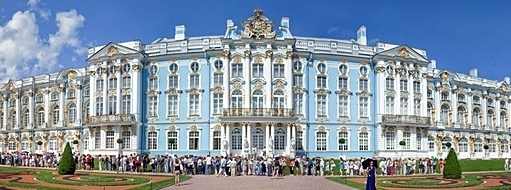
{"x": 260, "y": 183}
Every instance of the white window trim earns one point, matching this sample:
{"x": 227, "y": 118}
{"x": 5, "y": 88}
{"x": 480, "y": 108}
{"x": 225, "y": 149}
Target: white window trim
{"x": 368, "y": 131}
{"x": 167, "y": 139}
{"x": 156, "y": 109}
{"x": 316, "y": 137}
{"x": 326, "y": 106}
{"x": 199, "y": 113}
{"x": 346, "y": 140}
{"x": 368, "y": 108}
{"x": 167, "y": 105}
{"x": 213, "y": 104}
{"x": 188, "y": 139}
{"x": 212, "y": 137}
{"x": 348, "y": 107}
{"x": 198, "y": 75}
{"x": 157, "y": 138}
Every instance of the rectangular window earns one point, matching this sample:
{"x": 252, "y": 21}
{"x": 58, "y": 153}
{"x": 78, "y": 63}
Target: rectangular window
{"x": 173, "y": 82}
{"x": 417, "y": 107}
{"x": 172, "y": 140}
{"x": 390, "y": 140}
{"x": 99, "y": 85}
{"x": 112, "y": 84}
{"x": 194, "y": 104}
{"x": 152, "y": 140}
{"x": 363, "y": 141}
{"x": 363, "y": 107}
{"x": 416, "y": 87}
{"x": 298, "y": 80}
{"x": 193, "y": 143}
{"x": 321, "y": 105}
{"x": 299, "y": 140}
{"x": 153, "y": 106}
{"x": 85, "y": 144}
{"x": 321, "y": 82}
{"x": 109, "y": 139}
{"x": 419, "y": 141}
{"x": 404, "y": 106}
{"x": 126, "y": 82}
{"x": 343, "y": 83}
{"x": 97, "y": 140}
{"x": 217, "y": 139}
{"x": 126, "y": 104}
{"x": 153, "y": 83}
{"x": 363, "y": 85}
{"x": 278, "y": 71}
{"x": 126, "y": 139}
{"x": 237, "y": 70}
{"x": 99, "y": 106}
{"x": 172, "y": 104}
{"x": 112, "y": 105}
{"x": 345, "y": 145}
{"x": 298, "y": 104}
{"x": 463, "y": 146}
{"x": 403, "y": 85}
{"x": 218, "y": 102}
{"x": 38, "y": 99}
{"x": 389, "y": 84}
{"x": 194, "y": 81}
{"x": 431, "y": 144}
{"x": 257, "y": 70}
{"x": 406, "y": 138}
{"x": 218, "y": 79}
{"x": 321, "y": 141}
{"x": 389, "y": 105}
{"x": 343, "y": 106}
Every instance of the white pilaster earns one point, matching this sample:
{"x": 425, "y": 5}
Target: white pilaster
{"x": 79, "y": 103}
{"x": 136, "y": 92}
{"x": 288, "y": 138}
{"x": 268, "y": 70}
{"x": 119, "y": 87}
{"x": 4, "y": 108}
{"x": 31, "y": 107}
{"x": 62, "y": 95}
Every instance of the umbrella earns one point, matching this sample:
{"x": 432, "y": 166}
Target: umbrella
{"x": 142, "y": 154}
{"x": 366, "y": 163}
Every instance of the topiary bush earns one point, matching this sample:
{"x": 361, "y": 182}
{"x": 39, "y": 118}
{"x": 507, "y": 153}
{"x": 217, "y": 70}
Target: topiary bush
{"x": 452, "y": 169}
{"x": 67, "y": 165}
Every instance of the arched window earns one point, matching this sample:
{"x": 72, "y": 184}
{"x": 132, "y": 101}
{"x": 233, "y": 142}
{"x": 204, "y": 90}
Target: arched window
{"x": 55, "y": 115}
{"x": 11, "y": 144}
{"x": 489, "y": 120}
{"x": 258, "y": 99}
{"x": 86, "y": 111}
{"x": 430, "y": 109}
{"x": 72, "y": 113}
{"x": 463, "y": 145}
{"x": 280, "y": 139}
{"x": 278, "y": 99}
{"x": 12, "y": 118}
{"x": 258, "y": 138}
{"x": 236, "y": 139}
{"x": 492, "y": 146}
{"x": 431, "y": 144}
{"x": 460, "y": 117}
{"x": 24, "y": 144}
{"x": 237, "y": 99}
{"x": 444, "y": 114}
{"x": 53, "y": 144}
{"x": 503, "y": 123}
{"x": 446, "y": 140}
{"x": 505, "y": 146}
{"x": 25, "y": 119}
{"x": 478, "y": 145}
{"x": 476, "y": 115}
{"x": 39, "y": 117}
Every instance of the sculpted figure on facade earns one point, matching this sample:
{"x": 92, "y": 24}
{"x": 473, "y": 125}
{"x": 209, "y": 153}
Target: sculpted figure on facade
{"x": 258, "y": 28}
{"x": 245, "y": 144}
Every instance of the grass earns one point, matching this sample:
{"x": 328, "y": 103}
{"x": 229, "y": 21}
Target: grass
{"x": 427, "y": 183}
{"x": 99, "y": 178}
{"x": 49, "y": 178}
{"x": 161, "y": 184}
{"x": 349, "y": 183}
{"x": 28, "y": 186}
{"x": 481, "y": 165}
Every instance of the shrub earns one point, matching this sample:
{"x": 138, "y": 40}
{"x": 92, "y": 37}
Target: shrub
{"x": 39, "y": 143}
{"x": 452, "y": 169}
{"x": 75, "y": 141}
{"x": 67, "y": 165}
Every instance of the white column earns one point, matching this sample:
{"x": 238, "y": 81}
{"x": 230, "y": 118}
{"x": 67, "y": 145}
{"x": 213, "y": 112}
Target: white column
{"x": 4, "y": 108}
{"x": 227, "y": 138}
{"x": 484, "y": 110}
{"x": 119, "y": 87}
{"x": 454, "y": 98}
{"x": 437, "y": 105}
{"x": 18, "y": 111}
{"x": 249, "y": 136}
{"x": 288, "y": 68}
{"x": 79, "y": 103}
{"x": 62, "y": 105}
{"x": 268, "y": 70}
{"x": 227, "y": 73}
{"x": 288, "y": 137}
{"x": 243, "y": 136}
{"x": 31, "y": 107}
{"x": 247, "y": 75}
{"x": 47, "y": 110}
{"x": 267, "y": 134}
{"x": 136, "y": 92}
{"x": 92, "y": 94}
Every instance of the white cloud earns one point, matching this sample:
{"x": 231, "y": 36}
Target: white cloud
{"x": 332, "y": 30}
{"x": 23, "y": 52}
{"x": 45, "y": 13}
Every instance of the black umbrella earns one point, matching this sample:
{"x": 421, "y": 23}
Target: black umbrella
{"x": 365, "y": 163}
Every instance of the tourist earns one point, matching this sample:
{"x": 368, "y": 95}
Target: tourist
{"x": 342, "y": 169}
{"x": 177, "y": 172}
{"x": 371, "y": 177}
{"x": 506, "y": 164}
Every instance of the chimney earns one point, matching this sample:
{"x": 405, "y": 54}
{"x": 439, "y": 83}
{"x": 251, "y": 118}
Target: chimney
{"x": 230, "y": 24}
{"x": 473, "y": 72}
{"x": 285, "y": 22}
{"x": 180, "y": 32}
{"x": 432, "y": 65}
{"x": 506, "y": 79}
{"x": 361, "y": 36}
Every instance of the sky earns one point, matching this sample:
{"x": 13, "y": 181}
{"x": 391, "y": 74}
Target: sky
{"x": 38, "y": 37}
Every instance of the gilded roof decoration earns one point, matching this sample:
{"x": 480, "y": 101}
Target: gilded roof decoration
{"x": 258, "y": 27}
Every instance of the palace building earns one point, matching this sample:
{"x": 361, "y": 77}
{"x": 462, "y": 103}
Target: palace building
{"x": 258, "y": 88}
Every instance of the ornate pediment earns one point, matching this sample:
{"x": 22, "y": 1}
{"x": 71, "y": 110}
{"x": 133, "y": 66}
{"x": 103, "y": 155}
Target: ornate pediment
{"x": 9, "y": 86}
{"x": 258, "y": 26}
{"x": 404, "y": 52}
{"x": 111, "y": 50}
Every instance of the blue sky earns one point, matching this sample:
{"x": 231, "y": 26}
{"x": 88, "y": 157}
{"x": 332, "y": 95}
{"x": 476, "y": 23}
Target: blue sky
{"x": 460, "y": 35}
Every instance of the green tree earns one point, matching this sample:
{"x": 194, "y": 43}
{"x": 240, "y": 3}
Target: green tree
{"x": 67, "y": 165}
{"x": 452, "y": 169}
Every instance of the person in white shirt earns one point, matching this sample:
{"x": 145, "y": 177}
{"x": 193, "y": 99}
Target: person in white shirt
{"x": 506, "y": 164}
{"x": 232, "y": 165}
{"x": 223, "y": 165}
{"x": 208, "y": 165}
{"x": 321, "y": 166}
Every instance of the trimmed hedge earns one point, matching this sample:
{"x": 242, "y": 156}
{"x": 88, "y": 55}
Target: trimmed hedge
{"x": 67, "y": 165}
{"x": 452, "y": 169}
